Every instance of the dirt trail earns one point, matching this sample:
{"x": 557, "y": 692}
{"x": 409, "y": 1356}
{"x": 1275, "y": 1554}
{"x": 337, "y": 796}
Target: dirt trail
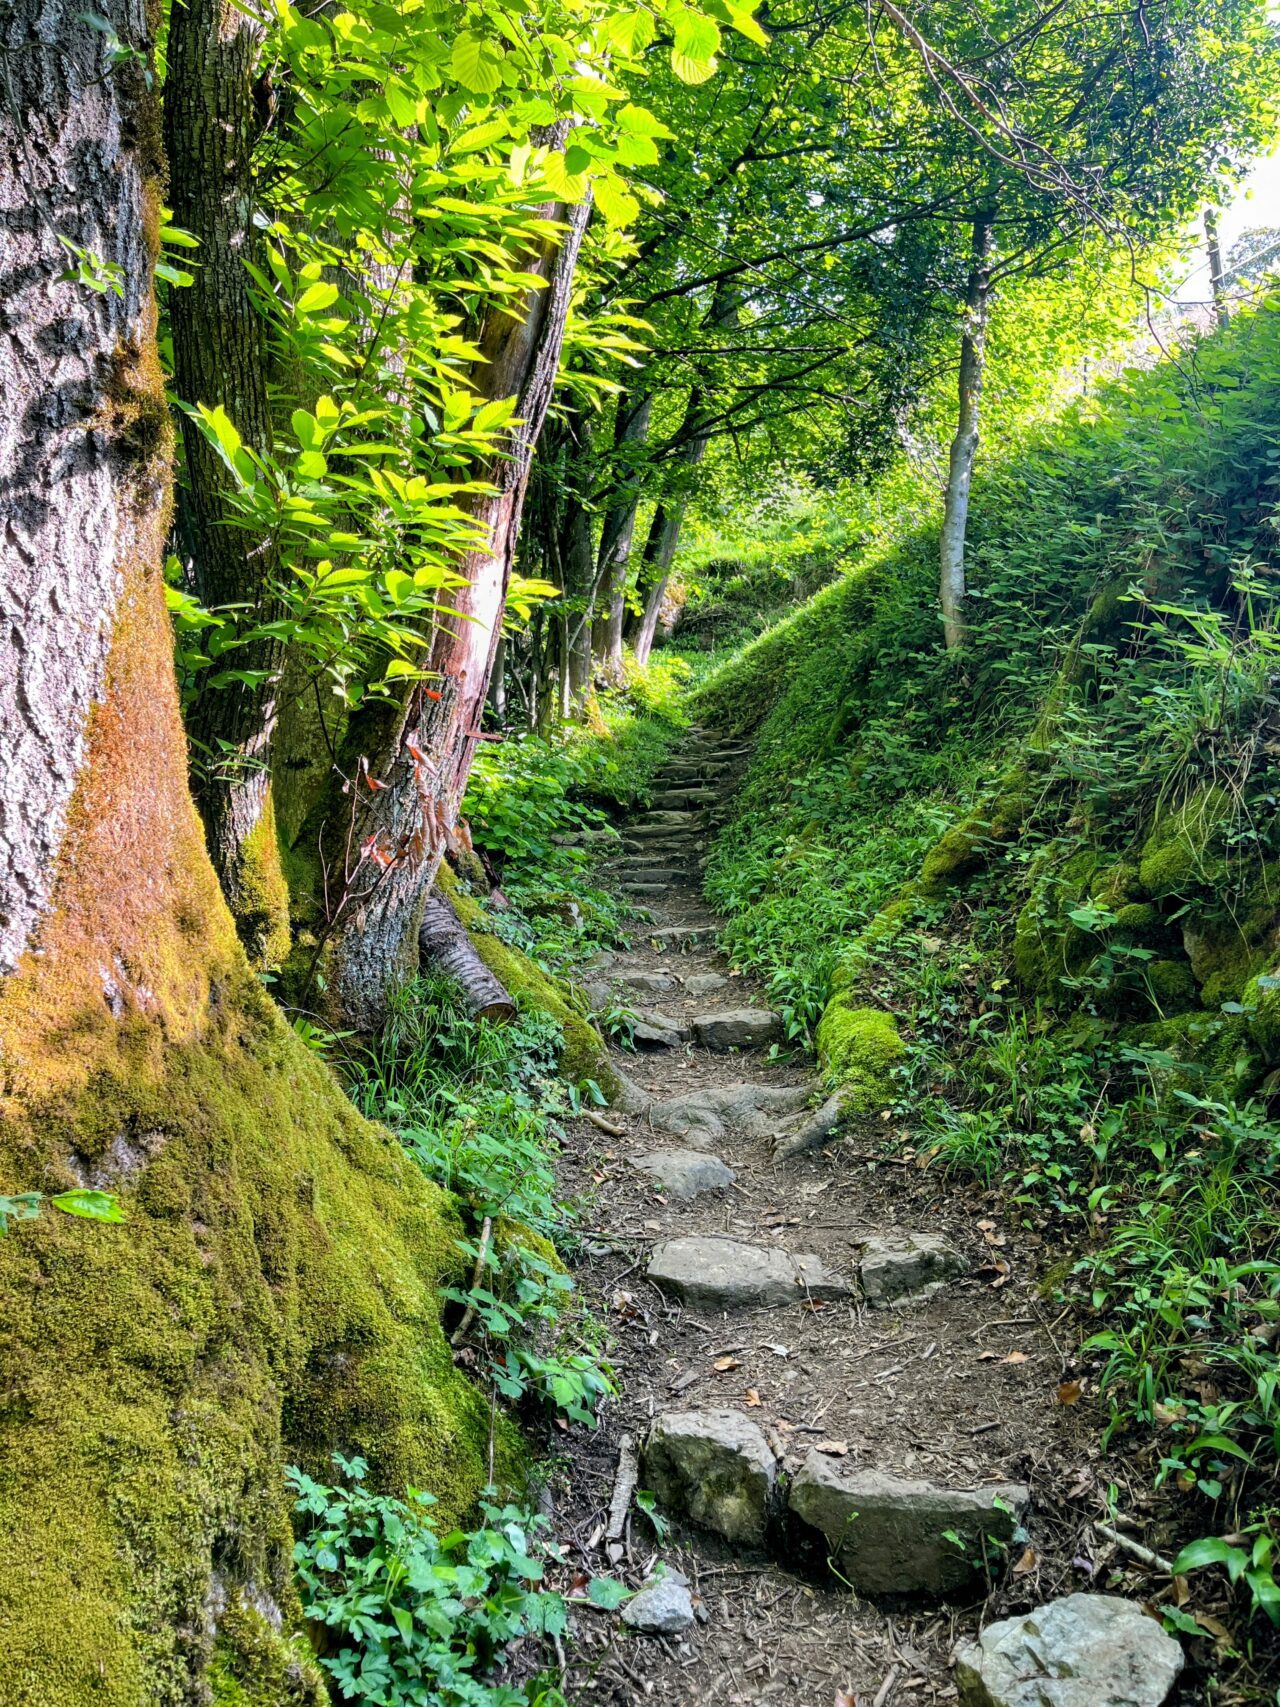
{"x": 960, "y": 1389}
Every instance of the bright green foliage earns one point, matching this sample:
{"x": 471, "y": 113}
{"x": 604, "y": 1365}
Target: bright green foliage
{"x": 422, "y": 1619}
{"x": 91, "y": 1205}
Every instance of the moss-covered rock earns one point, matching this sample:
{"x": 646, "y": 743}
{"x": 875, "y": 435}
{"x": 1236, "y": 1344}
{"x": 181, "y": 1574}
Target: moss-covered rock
{"x": 585, "y": 1055}
{"x": 1182, "y": 853}
{"x": 254, "y": 1666}
{"x": 968, "y": 845}
{"x": 1216, "y": 1050}
{"x": 858, "y": 1049}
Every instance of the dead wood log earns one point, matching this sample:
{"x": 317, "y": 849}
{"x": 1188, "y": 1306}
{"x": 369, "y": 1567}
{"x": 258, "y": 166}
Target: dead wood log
{"x": 444, "y": 946}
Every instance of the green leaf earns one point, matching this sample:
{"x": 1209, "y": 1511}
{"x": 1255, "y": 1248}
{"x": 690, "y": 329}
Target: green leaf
{"x": 607, "y": 1593}
{"x": 92, "y": 1205}
{"x": 1210, "y": 1550}
{"x": 476, "y": 63}
{"x": 320, "y": 295}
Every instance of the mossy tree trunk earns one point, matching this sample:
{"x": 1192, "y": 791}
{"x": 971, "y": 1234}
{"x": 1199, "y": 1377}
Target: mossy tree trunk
{"x": 220, "y": 358}
{"x": 664, "y": 531}
{"x": 422, "y": 754}
{"x": 272, "y": 1292}
{"x": 964, "y": 446}
{"x": 617, "y": 530}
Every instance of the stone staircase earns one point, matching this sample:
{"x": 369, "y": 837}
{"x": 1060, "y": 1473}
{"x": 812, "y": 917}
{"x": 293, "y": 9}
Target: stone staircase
{"x": 809, "y": 1385}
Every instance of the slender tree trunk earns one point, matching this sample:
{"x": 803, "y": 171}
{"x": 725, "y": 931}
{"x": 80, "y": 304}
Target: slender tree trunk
{"x": 425, "y": 757}
{"x": 664, "y": 532}
{"x": 1217, "y": 281}
{"x": 964, "y": 446}
{"x": 617, "y": 530}
{"x": 578, "y": 558}
{"x": 220, "y": 358}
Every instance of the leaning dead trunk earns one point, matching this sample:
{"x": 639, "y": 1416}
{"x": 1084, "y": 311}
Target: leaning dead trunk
{"x": 964, "y": 446}
{"x": 424, "y": 759}
{"x": 1217, "y": 280}
{"x": 220, "y": 358}
{"x": 445, "y": 947}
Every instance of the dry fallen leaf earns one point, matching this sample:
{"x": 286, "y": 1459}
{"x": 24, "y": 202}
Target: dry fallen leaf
{"x": 1015, "y": 1357}
{"x": 1026, "y": 1564}
{"x": 845, "y": 1698}
{"x": 753, "y": 1398}
{"x": 833, "y": 1448}
{"x": 723, "y": 1363}
{"x": 1070, "y": 1392}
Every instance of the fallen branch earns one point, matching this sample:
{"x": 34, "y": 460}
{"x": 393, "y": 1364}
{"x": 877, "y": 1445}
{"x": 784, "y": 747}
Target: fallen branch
{"x": 816, "y": 1130}
{"x": 608, "y": 1126}
{"x": 444, "y": 946}
{"x": 624, "y": 1485}
{"x": 1144, "y": 1555}
{"x": 469, "y": 1314}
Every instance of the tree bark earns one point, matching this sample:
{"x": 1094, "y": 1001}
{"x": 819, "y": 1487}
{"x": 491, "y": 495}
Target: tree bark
{"x": 445, "y": 947}
{"x": 1217, "y": 281}
{"x": 425, "y": 756}
{"x": 664, "y": 531}
{"x": 221, "y": 358}
{"x": 964, "y": 446}
{"x": 617, "y": 530}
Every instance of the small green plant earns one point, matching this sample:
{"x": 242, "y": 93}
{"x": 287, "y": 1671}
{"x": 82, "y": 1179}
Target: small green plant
{"x": 1248, "y": 1559}
{"x": 422, "y": 1619}
{"x": 91, "y": 1205}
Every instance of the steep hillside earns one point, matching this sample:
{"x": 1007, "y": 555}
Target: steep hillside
{"x": 1054, "y": 865}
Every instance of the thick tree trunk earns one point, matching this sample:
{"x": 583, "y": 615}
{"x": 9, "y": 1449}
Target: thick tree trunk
{"x": 220, "y": 358}
{"x": 964, "y": 446}
{"x": 445, "y": 947}
{"x": 427, "y": 757}
{"x": 617, "y": 530}
{"x": 273, "y": 1292}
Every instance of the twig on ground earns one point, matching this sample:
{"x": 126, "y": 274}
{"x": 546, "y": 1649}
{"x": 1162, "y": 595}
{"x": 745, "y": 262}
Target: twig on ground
{"x": 624, "y": 1486}
{"x": 609, "y": 1126}
{"x": 1144, "y": 1555}
{"x": 469, "y": 1314}
{"x": 886, "y": 1688}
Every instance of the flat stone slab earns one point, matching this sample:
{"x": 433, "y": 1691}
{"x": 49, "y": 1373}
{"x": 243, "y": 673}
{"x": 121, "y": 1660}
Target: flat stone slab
{"x": 659, "y": 1031}
{"x": 703, "y": 1117}
{"x": 685, "y": 1173}
{"x": 737, "y": 1028}
{"x": 907, "y": 1268}
{"x": 1085, "y": 1650}
{"x": 714, "y": 1466}
{"x": 665, "y": 1609}
{"x": 651, "y": 891}
{"x": 725, "y": 1274}
{"x": 641, "y": 873}
{"x": 668, "y": 820}
{"x": 888, "y": 1535}
{"x": 648, "y": 983}
{"x": 704, "y": 983}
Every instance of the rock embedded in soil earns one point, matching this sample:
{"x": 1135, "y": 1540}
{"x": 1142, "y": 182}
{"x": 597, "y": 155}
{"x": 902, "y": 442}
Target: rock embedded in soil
{"x": 703, "y": 983}
{"x": 685, "y": 1173}
{"x": 665, "y": 1609}
{"x": 680, "y": 936}
{"x": 658, "y": 1031}
{"x": 888, "y": 1535}
{"x": 724, "y": 1274}
{"x": 907, "y": 1267}
{"x": 704, "y": 1116}
{"x": 1085, "y": 1650}
{"x": 737, "y": 1028}
{"x": 716, "y": 1467}
{"x": 648, "y": 983}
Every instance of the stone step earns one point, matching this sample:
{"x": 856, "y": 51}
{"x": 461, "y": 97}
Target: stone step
{"x": 647, "y": 983}
{"x": 704, "y": 983}
{"x": 702, "y": 1117}
{"x": 657, "y": 1031}
{"x": 737, "y": 1028}
{"x": 685, "y": 1174}
{"x": 649, "y": 874}
{"x": 667, "y": 819}
{"x": 725, "y": 1274}
{"x": 906, "y": 1268}
{"x": 677, "y": 798}
{"x": 885, "y": 1534}
{"x": 680, "y": 936}
{"x": 716, "y": 1467}
{"x": 646, "y": 891}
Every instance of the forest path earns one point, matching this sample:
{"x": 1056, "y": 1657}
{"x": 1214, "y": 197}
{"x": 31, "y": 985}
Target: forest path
{"x": 954, "y": 1391}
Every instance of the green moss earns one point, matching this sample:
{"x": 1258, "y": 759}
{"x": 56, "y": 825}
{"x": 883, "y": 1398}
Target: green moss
{"x": 260, "y": 895}
{"x": 1171, "y": 985}
{"x": 585, "y": 1055}
{"x": 1261, "y": 1000}
{"x": 1047, "y": 945}
{"x": 1180, "y": 855}
{"x": 968, "y": 845}
{"x": 1214, "y": 1048}
{"x": 272, "y": 1297}
{"x": 255, "y": 1665}
{"x": 858, "y": 1048}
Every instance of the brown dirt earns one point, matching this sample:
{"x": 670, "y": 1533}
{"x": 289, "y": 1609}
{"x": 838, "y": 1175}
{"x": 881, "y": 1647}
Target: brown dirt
{"x": 964, "y": 1388}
